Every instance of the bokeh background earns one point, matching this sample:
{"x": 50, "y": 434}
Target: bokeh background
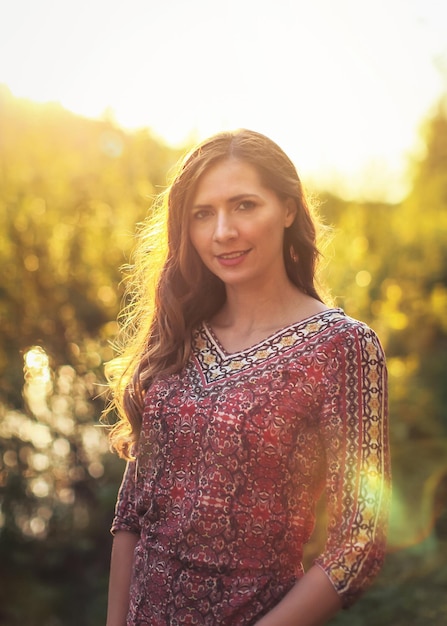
{"x": 97, "y": 102}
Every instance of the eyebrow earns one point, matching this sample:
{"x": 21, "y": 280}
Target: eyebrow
{"x": 240, "y": 196}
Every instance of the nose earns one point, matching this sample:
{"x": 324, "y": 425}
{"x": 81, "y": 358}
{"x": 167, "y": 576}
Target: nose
{"x": 224, "y": 227}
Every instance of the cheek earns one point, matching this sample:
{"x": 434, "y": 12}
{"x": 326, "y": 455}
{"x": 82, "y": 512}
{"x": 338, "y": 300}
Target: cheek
{"x": 198, "y": 238}
{"x": 191, "y": 261}
{"x": 197, "y": 253}
{"x": 192, "y": 236}
{"x": 270, "y": 230}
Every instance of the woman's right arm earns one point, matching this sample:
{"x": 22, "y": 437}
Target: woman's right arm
{"x": 126, "y": 533}
{"x": 120, "y": 575}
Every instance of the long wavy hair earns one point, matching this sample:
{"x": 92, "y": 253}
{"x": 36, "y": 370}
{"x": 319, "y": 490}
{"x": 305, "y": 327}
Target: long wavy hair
{"x": 170, "y": 291}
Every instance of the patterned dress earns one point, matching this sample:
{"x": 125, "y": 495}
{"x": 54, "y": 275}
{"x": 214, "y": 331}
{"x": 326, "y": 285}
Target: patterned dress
{"x": 234, "y": 453}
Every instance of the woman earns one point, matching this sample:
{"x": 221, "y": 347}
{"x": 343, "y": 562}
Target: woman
{"x": 243, "y": 397}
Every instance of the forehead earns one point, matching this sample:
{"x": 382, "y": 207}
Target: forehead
{"x": 228, "y": 178}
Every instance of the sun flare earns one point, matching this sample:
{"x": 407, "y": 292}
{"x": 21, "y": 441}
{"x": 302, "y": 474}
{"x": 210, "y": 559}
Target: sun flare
{"x": 309, "y": 75}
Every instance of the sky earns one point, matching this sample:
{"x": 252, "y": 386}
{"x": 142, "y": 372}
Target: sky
{"x": 342, "y": 85}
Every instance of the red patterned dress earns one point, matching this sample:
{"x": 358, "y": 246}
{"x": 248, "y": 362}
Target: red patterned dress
{"x": 235, "y": 450}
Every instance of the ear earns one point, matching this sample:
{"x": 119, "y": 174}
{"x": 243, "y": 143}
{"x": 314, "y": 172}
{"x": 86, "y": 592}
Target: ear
{"x": 290, "y": 214}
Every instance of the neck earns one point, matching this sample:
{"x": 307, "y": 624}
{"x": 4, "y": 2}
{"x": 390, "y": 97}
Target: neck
{"x": 259, "y": 307}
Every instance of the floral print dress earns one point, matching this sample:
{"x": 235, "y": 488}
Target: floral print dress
{"x": 235, "y": 451}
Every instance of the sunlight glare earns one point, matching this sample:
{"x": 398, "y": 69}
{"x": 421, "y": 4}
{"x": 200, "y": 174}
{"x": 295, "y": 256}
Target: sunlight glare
{"x": 66, "y": 495}
{"x": 40, "y": 462}
{"x": 38, "y": 381}
{"x": 37, "y": 364}
{"x": 40, "y": 487}
{"x": 10, "y": 458}
{"x": 363, "y": 278}
{"x": 345, "y": 109}
{"x": 61, "y": 447}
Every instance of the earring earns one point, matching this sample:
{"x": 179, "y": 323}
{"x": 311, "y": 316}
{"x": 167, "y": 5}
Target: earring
{"x": 293, "y": 255}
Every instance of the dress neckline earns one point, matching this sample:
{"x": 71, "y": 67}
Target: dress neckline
{"x": 268, "y": 339}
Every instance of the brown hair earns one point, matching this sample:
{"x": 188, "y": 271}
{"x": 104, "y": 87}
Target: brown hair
{"x": 171, "y": 290}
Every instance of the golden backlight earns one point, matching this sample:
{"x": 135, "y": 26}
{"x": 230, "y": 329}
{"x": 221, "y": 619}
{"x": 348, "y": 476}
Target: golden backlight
{"x": 341, "y": 86}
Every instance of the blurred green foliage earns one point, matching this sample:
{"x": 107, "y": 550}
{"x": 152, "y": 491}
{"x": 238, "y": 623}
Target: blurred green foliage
{"x": 71, "y": 192}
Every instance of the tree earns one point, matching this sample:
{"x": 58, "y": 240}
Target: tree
{"x": 71, "y": 193}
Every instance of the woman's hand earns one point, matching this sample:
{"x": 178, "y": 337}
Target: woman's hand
{"x": 311, "y": 602}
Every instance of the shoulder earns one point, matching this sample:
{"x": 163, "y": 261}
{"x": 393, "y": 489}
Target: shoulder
{"x": 344, "y": 324}
{"x": 349, "y": 333}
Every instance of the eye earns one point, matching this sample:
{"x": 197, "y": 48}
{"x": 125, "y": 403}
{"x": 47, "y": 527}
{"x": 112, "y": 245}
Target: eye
{"x": 201, "y": 214}
{"x": 246, "y": 205}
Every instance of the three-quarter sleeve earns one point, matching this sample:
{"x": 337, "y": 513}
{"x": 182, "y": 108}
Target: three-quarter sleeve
{"x": 354, "y": 429}
{"x": 126, "y": 517}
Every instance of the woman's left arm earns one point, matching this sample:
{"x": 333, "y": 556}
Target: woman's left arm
{"x": 311, "y": 602}
{"x": 354, "y": 429}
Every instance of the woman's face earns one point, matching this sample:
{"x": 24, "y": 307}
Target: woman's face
{"x": 236, "y": 225}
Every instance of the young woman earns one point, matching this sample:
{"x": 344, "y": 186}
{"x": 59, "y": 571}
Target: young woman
{"x": 242, "y": 396}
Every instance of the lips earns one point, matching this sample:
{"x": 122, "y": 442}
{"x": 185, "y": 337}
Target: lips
{"x": 232, "y": 258}
{"x": 232, "y": 255}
